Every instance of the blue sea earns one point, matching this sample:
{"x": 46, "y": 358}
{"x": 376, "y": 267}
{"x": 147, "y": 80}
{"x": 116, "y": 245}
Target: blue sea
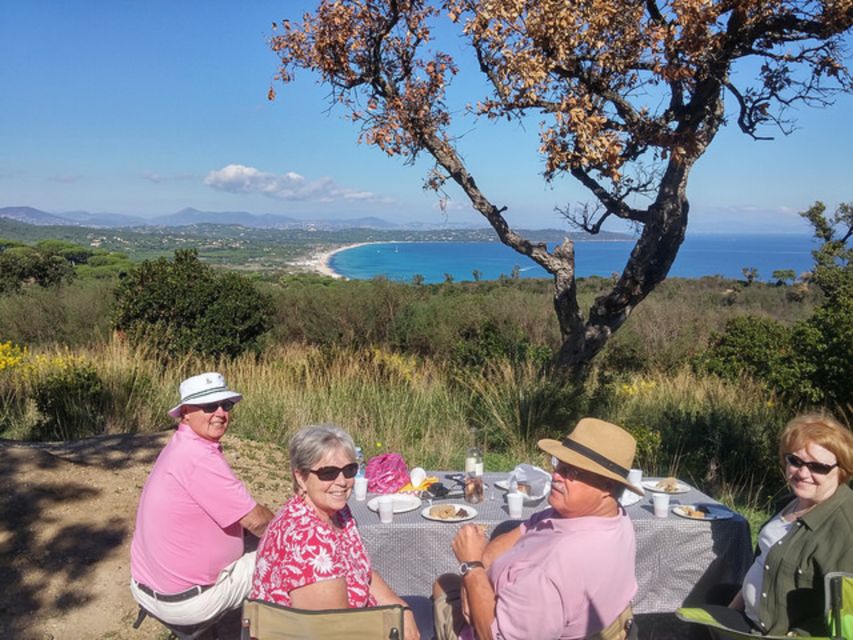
{"x": 700, "y": 255}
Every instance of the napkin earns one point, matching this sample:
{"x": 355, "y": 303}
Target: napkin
{"x": 408, "y": 488}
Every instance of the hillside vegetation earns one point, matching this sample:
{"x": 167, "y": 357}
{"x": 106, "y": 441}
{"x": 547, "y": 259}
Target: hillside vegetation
{"x": 704, "y": 374}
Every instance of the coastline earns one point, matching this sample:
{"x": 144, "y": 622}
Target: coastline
{"x": 321, "y": 262}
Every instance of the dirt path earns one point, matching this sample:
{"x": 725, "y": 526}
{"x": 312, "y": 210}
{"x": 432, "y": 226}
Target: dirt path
{"x": 67, "y": 513}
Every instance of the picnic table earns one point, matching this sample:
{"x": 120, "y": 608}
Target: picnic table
{"x": 678, "y": 559}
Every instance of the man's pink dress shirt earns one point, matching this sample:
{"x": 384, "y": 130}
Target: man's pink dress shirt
{"x": 188, "y": 521}
{"x": 564, "y": 578}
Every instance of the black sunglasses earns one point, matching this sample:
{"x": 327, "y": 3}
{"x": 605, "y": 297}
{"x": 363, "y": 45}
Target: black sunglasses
{"x": 226, "y": 405}
{"x": 819, "y": 468}
{"x": 327, "y": 474}
{"x": 564, "y": 470}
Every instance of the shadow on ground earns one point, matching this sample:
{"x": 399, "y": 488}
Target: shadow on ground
{"x": 34, "y": 548}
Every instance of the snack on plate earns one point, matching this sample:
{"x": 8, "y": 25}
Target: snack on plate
{"x": 443, "y": 511}
{"x": 692, "y": 512}
{"x": 670, "y": 485}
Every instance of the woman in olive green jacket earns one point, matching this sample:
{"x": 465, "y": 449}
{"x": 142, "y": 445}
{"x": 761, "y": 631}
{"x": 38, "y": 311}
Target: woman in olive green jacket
{"x": 783, "y": 591}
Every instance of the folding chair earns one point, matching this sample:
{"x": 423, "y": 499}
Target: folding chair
{"x": 838, "y": 587}
{"x": 268, "y": 621}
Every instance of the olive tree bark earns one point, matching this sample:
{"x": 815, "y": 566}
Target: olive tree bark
{"x": 630, "y": 95}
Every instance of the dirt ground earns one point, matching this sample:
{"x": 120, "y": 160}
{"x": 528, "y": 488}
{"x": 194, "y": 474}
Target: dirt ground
{"x": 67, "y": 513}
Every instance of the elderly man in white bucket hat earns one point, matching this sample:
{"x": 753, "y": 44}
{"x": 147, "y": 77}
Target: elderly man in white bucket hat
{"x": 187, "y": 558}
{"x": 568, "y": 571}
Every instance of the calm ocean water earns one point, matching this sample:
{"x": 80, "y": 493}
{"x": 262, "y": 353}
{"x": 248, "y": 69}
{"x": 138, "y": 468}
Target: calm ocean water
{"x": 700, "y": 255}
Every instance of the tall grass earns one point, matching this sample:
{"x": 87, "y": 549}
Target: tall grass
{"x": 719, "y": 436}
{"x": 715, "y": 433}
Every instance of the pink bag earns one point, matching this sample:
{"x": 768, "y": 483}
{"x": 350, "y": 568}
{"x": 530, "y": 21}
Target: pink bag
{"x": 386, "y": 473}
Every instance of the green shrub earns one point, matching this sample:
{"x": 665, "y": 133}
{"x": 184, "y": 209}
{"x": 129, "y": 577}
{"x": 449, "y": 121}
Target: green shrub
{"x": 183, "y": 306}
{"x": 710, "y": 431}
{"x": 69, "y": 396}
{"x": 73, "y": 315}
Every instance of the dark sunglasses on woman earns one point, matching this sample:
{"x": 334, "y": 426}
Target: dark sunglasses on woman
{"x": 818, "y": 468}
{"x": 327, "y": 474}
{"x": 226, "y": 405}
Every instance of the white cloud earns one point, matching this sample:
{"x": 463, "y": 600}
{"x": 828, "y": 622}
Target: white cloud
{"x": 237, "y": 178}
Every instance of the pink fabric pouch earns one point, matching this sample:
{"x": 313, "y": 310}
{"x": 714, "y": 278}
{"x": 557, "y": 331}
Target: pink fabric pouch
{"x": 386, "y": 473}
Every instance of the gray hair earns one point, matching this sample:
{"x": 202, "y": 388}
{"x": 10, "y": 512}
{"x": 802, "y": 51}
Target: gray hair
{"x": 311, "y": 443}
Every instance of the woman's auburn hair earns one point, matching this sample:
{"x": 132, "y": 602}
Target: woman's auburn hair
{"x": 822, "y": 429}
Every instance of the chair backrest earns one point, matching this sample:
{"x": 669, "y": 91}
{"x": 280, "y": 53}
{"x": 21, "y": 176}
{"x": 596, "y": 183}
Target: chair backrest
{"x": 839, "y": 590}
{"x": 269, "y": 621}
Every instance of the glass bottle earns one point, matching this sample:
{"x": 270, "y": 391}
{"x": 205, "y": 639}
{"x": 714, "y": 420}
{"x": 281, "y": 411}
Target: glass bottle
{"x": 474, "y": 472}
{"x": 474, "y": 457}
{"x": 359, "y": 458}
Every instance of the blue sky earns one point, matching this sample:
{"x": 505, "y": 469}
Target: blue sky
{"x": 148, "y": 107}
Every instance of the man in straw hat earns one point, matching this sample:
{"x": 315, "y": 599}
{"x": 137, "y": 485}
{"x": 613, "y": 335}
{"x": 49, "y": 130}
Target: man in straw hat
{"x": 568, "y": 571}
{"x": 187, "y": 558}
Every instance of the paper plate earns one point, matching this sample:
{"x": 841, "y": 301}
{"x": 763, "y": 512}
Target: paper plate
{"x": 402, "y": 502}
{"x": 628, "y": 498}
{"x": 468, "y": 511}
{"x": 652, "y": 485}
{"x": 709, "y": 512}
{"x": 503, "y": 485}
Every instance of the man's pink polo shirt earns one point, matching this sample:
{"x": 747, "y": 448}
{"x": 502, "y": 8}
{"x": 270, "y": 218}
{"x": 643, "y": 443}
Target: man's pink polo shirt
{"x": 188, "y": 521}
{"x": 565, "y": 577}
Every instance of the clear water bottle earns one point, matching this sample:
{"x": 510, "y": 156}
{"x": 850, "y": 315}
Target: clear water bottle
{"x": 359, "y": 458}
{"x": 474, "y": 457}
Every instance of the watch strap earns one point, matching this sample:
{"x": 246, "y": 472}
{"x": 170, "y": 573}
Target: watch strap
{"x": 465, "y": 567}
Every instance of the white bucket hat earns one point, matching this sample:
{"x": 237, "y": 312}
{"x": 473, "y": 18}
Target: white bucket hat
{"x": 204, "y": 389}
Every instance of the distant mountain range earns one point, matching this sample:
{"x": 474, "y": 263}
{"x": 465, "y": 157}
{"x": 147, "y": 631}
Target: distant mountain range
{"x": 187, "y": 217}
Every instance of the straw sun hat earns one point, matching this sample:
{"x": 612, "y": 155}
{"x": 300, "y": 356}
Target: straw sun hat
{"x": 599, "y": 447}
{"x": 204, "y": 389}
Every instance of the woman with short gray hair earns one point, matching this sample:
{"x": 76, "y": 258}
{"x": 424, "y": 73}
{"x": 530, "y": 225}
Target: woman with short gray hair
{"x": 312, "y": 556}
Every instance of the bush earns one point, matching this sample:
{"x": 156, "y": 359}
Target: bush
{"x": 73, "y": 315}
{"x": 69, "y": 396}
{"x": 183, "y": 306}
{"x": 763, "y": 349}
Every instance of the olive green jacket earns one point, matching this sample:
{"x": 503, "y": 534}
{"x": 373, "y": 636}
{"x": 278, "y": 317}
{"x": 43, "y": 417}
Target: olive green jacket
{"x": 820, "y": 541}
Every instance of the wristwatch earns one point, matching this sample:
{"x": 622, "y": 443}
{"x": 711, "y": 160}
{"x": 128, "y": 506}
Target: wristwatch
{"x": 465, "y": 567}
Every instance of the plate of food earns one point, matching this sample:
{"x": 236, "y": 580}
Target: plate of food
{"x": 524, "y": 487}
{"x": 665, "y": 485}
{"x": 449, "y": 512}
{"x": 402, "y": 502}
{"x": 702, "y": 511}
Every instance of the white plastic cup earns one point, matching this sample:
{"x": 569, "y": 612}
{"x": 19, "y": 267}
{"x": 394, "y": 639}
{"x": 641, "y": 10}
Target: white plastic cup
{"x": 360, "y": 488}
{"x": 660, "y": 502}
{"x": 417, "y": 477}
{"x": 635, "y": 477}
{"x": 515, "y": 503}
{"x": 386, "y": 509}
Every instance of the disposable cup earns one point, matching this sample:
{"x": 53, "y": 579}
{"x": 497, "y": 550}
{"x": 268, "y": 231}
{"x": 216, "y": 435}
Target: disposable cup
{"x": 360, "y": 488}
{"x": 635, "y": 477}
{"x": 417, "y": 477}
{"x": 515, "y": 504}
{"x": 386, "y": 509}
{"x": 660, "y": 502}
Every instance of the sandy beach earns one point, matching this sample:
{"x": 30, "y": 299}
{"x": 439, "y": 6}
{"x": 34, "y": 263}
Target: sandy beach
{"x": 320, "y": 261}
